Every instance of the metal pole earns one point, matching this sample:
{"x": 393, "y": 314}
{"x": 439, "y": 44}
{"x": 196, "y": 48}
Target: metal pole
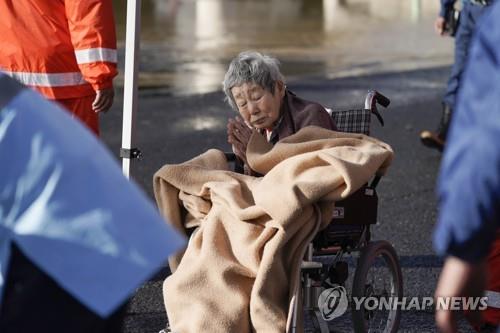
{"x": 133, "y": 32}
{"x": 416, "y": 10}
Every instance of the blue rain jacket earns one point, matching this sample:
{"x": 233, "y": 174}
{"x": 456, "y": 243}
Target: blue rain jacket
{"x": 469, "y": 180}
{"x": 67, "y": 206}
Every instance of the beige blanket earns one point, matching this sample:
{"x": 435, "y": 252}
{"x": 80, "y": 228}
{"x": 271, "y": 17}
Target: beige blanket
{"x": 242, "y": 265}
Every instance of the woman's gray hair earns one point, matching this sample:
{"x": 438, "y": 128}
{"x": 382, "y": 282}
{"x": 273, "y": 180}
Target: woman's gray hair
{"x": 251, "y": 67}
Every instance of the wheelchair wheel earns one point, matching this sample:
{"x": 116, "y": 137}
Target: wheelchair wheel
{"x": 317, "y": 323}
{"x": 378, "y": 279}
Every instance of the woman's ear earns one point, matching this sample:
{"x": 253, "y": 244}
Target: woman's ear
{"x": 280, "y": 87}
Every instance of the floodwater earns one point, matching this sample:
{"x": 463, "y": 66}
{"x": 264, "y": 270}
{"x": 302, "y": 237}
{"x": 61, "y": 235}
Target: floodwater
{"x": 187, "y": 44}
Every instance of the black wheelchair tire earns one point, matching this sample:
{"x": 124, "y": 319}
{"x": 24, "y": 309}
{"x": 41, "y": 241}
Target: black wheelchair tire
{"x": 368, "y": 254}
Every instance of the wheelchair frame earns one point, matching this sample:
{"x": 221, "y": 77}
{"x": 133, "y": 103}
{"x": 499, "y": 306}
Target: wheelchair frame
{"x": 348, "y": 237}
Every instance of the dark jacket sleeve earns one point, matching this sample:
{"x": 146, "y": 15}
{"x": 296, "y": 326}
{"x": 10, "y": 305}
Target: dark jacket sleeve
{"x": 314, "y": 115}
{"x": 446, "y": 5}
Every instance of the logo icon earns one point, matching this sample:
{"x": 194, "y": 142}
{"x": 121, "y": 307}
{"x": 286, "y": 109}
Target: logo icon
{"x": 332, "y": 302}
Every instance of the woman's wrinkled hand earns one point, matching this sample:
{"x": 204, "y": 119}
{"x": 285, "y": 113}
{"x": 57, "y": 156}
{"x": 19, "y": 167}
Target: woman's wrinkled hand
{"x": 238, "y": 135}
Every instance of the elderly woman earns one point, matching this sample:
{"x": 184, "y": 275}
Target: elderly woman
{"x": 255, "y": 87}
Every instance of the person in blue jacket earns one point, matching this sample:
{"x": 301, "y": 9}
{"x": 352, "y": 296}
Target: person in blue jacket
{"x": 76, "y": 237}
{"x": 470, "y": 13}
{"x": 469, "y": 180}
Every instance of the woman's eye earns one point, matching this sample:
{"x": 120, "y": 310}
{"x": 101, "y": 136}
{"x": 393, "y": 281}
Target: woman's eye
{"x": 242, "y": 105}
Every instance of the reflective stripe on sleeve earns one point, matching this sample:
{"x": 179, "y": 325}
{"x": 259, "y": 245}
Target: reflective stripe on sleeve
{"x": 493, "y": 298}
{"x": 96, "y": 54}
{"x": 48, "y": 79}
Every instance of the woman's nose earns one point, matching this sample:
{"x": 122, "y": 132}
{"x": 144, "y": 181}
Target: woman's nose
{"x": 252, "y": 108}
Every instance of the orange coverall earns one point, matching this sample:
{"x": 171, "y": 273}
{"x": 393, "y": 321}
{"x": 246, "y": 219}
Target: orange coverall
{"x": 492, "y": 314}
{"x": 65, "y": 49}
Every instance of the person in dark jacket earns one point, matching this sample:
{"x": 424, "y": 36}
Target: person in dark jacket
{"x": 255, "y": 87}
{"x": 470, "y": 13}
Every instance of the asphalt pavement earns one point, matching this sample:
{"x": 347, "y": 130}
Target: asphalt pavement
{"x": 172, "y": 129}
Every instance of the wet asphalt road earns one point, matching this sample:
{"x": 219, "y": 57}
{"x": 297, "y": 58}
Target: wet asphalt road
{"x": 172, "y": 129}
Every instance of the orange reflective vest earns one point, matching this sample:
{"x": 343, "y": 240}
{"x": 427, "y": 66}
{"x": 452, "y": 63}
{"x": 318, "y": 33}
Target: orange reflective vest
{"x": 62, "y": 48}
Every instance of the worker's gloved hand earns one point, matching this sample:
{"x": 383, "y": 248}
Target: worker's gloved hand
{"x": 103, "y": 100}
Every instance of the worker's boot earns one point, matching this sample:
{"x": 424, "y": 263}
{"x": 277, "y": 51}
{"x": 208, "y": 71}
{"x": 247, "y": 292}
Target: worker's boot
{"x": 437, "y": 139}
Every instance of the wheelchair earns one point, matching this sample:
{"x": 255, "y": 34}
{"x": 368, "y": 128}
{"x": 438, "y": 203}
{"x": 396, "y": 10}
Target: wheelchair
{"x": 378, "y": 272}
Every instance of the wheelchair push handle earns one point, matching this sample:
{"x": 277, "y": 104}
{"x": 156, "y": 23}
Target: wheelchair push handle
{"x": 382, "y": 100}
{"x": 372, "y": 99}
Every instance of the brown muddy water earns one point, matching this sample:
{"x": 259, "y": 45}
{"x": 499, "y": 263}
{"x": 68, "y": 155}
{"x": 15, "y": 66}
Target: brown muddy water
{"x": 187, "y": 44}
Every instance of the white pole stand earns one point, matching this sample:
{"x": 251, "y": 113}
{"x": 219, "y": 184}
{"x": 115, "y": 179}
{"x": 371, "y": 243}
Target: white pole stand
{"x": 130, "y": 95}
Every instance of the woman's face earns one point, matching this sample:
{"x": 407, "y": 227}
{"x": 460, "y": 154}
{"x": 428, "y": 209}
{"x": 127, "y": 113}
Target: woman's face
{"x": 257, "y": 106}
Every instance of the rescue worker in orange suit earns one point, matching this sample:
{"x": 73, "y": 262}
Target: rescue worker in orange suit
{"x": 65, "y": 49}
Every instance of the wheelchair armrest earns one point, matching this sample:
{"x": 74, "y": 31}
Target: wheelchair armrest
{"x": 230, "y": 156}
{"x": 232, "y": 159}
{"x": 375, "y": 181}
{"x": 372, "y": 99}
